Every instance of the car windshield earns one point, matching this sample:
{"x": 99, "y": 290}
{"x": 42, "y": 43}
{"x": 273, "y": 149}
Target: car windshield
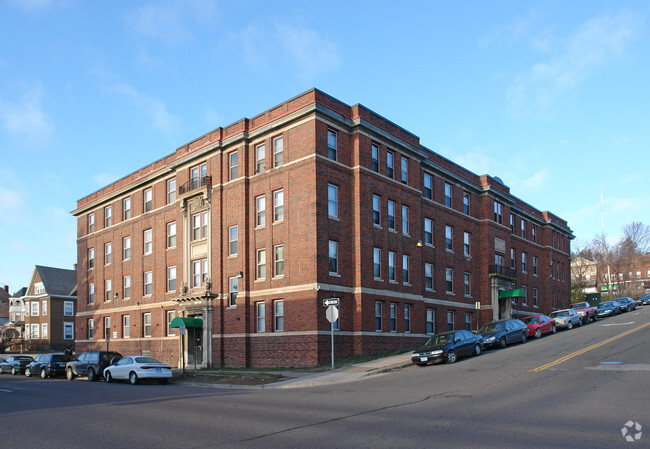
{"x": 531, "y": 320}
{"x": 602, "y": 305}
{"x": 441, "y": 339}
{"x": 580, "y": 305}
{"x": 23, "y": 358}
{"x": 492, "y": 327}
{"x": 146, "y": 360}
{"x": 561, "y": 313}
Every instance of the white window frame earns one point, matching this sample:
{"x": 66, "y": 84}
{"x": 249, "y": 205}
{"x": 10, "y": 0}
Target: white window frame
{"x": 108, "y": 216}
{"x": 233, "y": 240}
{"x": 171, "y": 234}
{"x": 147, "y": 200}
{"x": 126, "y": 208}
{"x": 260, "y": 316}
{"x": 278, "y": 260}
{"x": 171, "y": 190}
{"x": 126, "y": 288}
{"x": 170, "y": 315}
{"x": 233, "y": 165}
{"x": 261, "y": 264}
{"x": 278, "y": 151}
{"x": 68, "y": 327}
{"x": 333, "y": 255}
{"x": 278, "y": 206}
{"x": 108, "y": 253}
{"x": 332, "y": 201}
{"x": 260, "y": 158}
{"x": 260, "y": 211}
{"x": 126, "y": 247}
{"x": 126, "y": 326}
{"x": 171, "y": 270}
{"x": 376, "y": 210}
{"x": 146, "y": 325}
{"x": 35, "y": 308}
{"x": 147, "y": 283}
{"x": 332, "y": 144}
{"x": 278, "y": 315}
{"x": 68, "y": 308}
{"x": 147, "y": 241}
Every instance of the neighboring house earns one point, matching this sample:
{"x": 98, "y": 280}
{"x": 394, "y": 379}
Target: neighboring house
{"x": 17, "y": 307}
{"x": 4, "y": 304}
{"x": 244, "y": 231}
{"x": 625, "y": 277}
{"x": 50, "y": 306}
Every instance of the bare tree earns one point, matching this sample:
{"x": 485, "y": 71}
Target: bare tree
{"x": 638, "y": 236}
{"x": 8, "y": 337}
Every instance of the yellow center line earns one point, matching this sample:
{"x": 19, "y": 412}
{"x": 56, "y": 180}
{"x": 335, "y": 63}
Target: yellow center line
{"x": 589, "y": 348}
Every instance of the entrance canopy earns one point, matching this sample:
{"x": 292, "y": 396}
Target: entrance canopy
{"x": 187, "y": 322}
{"x": 517, "y": 293}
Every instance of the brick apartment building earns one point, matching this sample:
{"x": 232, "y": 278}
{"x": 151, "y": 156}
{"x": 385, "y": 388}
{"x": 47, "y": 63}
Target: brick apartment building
{"x": 245, "y": 230}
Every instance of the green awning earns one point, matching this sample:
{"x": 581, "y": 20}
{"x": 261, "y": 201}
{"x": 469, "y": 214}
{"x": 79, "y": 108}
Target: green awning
{"x": 187, "y": 322}
{"x": 517, "y": 293}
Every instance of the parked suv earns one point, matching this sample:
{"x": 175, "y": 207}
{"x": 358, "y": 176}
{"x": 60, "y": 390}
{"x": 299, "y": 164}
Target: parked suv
{"x": 91, "y": 364}
{"x": 47, "y": 365}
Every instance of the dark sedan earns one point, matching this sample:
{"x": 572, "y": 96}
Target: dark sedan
{"x": 608, "y": 308}
{"x": 503, "y": 332}
{"x": 627, "y": 304}
{"x": 645, "y": 299}
{"x": 15, "y": 364}
{"x": 447, "y": 347}
{"x": 47, "y": 365}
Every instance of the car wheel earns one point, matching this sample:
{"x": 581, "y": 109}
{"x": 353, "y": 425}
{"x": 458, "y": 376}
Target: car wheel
{"x": 538, "y": 333}
{"x": 28, "y": 372}
{"x": 570, "y": 325}
{"x": 69, "y": 374}
{"x": 91, "y": 375}
{"x": 13, "y": 371}
{"x": 451, "y": 357}
{"x": 43, "y": 373}
{"x": 477, "y": 350}
{"x": 502, "y": 342}
{"x": 163, "y": 381}
{"x": 554, "y": 329}
{"x": 595, "y": 318}
{"x": 108, "y": 377}
{"x": 524, "y": 336}
{"x": 133, "y": 378}
{"x": 580, "y": 322}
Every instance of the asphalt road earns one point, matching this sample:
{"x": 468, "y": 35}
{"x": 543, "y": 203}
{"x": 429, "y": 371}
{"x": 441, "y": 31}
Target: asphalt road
{"x": 576, "y": 389}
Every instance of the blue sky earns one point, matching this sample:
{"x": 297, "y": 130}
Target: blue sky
{"x": 551, "y": 96}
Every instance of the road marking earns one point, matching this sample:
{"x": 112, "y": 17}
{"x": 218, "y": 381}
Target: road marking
{"x": 589, "y": 348}
{"x": 6, "y": 391}
{"x": 617, "y": 324}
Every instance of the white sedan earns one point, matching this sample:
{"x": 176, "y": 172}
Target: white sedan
{"x": 137, "y": 367}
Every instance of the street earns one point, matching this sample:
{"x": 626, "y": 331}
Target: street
{"x": 575, "y": 389}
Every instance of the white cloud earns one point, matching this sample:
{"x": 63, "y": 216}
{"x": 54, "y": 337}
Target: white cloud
{"x": 104, "y": 179}
{"x": 151, "y": 107}
{"x": 596, "y": 43}
{"x": 26, "y": 118}
{"x": 536, "y": 181}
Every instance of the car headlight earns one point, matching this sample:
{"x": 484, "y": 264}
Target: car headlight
{"x": 489, "y": 339}
{"x": 436, "y": 352}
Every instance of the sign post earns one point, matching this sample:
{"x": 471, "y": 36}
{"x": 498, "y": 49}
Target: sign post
{"x": 332, "y": 314}
{"x": 181, "y": 334}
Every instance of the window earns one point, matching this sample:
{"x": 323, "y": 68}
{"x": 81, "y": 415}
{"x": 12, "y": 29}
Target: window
{"x": 91, "y": 258}
{"x": 233, "y": 233}
{"x": 428, "y": 276}
{"x": 278, "y": 315}
{"x": 535, "y": 297}
{"x": 466, "y": 203}
{"x": 127, "y": 208}
{"x": 523, "y": 228}
{"x": 39, "y": 288}
{"x": 431, "y": 321}
{"x": 391, "y": 215}
{"x": 171, "y": 279}
{"x": 108, "y": 287}
{"x": 171, "y": 190}
{"x": 108, "y": 216}
{"x": 233, "y": 165}
{"x": 391, "y": 266}
{"x": 467, "y": 284}
{"x": 35, "y": 308}
{"x": 127, "y": 287}
{"x": 524, "y": 300}
{"x": 447, "y": 195}
{"x": 260, "y": 158}
{"x": 278, "y": 205}
{"x": 428, "y": 231}
{"x": 523, "y": 262}
{"x": 390, "y": 164}
{"x": 449, "y": 280}
{"x": 533, "y": 231}
{"x": 148, "y": 241}
{"x": 405, "y": 269}
{"x": 91, "y": 328}
{"x": 468, "y": 321}
{"x": 171, "y": 234}
{"x": 278, "y": 151}
{"x": 450, "y": 320}
{"x": 91, "y": 293}
{"x": 428, "y": 186}
{"x": 171, "y": 314}
{"x": 332, "y": 200}
{"x": 146, "y": 325}
{"x": 126, "y": 326}
{"x": 376, "y": 262}
{"x": 407, "y": 318}
{"x": 512, "y": 258}
{"x": 260, "y": 211}
{"x": 148, "y": 200}
{"x": 198, "y": 175}
{"x": 199, "y": 272}
{"x": 68, "y": 331}
{"x": 331, "y": 144}
{"x": 512, "y": 223}
{"x": 404, "y": 165}
{"x": 449, "y": 238}
{"x": 26, "y": 309}
{"x": 375, "y": 158}
{"x": 279, "y": 260}
{"x": 68, "y": 308}
{"x": 261, "y": 264}
{"x": 466, "y": 247}
{"x": 260, "y": 314}
{"x": 405, "y": 220}
{"x": 535, "y": 266}
{"x": 200, "y": 225}
{"x": 376, "y": 210}
{"x": 108, "y": 252}
{"x": 126, "y": 247}
{"x": 44, "y": 308}
{"x": 34, "y": 334}
{"x": 333, "y": 257}
{"x": 377, "y": 316}
{"x": 148, "y": 283}
{"x": 91, "y": 223}
{"x": 233, "y": 289}
{"x": 393, "y": 317}
{"x": 107, "y": 327}
{"x": 498, "y": 212}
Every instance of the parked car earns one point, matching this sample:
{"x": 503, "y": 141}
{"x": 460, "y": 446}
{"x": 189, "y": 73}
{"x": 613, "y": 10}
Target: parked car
{"x": 645, "y": 299}
{"x": 90, "y": 364}
{"x": 447, "y": 347}
{"x": 608, "y": 308}
{"x": 539, "y": 325}
{"x": 586, "y": 311}
{"x": 47, "y": 365}
{"x": 15, "y": 364}
{"x": 503, "y": 332}
{"x": 567, "y": 318}
{"x": 627, "y": 303}
{"x": 137, "y": 367}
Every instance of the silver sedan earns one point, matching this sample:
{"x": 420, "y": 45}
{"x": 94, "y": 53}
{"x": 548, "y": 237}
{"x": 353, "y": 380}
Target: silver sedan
{"x": 137, "y": 367}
